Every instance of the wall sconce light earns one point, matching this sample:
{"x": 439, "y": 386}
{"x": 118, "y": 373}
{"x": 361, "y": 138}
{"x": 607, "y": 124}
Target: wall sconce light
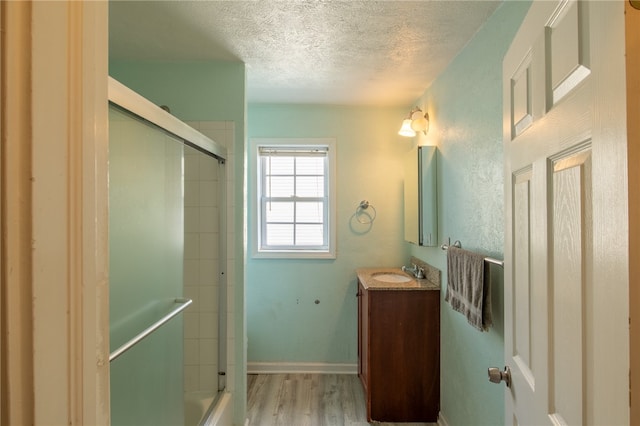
{"x": 416, "y": 122}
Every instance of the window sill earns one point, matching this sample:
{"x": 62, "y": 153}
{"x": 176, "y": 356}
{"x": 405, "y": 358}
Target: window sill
{"x": 297, "y": 254}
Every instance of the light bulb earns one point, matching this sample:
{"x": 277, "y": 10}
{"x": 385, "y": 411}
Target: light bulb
{"x": 406, "y": 129}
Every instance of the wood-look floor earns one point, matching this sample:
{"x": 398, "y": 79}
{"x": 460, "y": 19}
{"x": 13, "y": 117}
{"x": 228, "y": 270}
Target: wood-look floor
{"x": 308, "y": 400}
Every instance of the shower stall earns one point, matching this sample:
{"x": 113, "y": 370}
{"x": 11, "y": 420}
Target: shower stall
{"x": 167, "y": 249}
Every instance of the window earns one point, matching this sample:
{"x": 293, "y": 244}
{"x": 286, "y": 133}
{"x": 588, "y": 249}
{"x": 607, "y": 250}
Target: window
{"x": 295, "y": 198}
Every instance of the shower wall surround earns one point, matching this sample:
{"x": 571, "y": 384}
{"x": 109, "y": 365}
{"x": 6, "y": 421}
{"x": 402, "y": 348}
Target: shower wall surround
{"x": 201, "y": 272}
{"x": 202, "y": 279}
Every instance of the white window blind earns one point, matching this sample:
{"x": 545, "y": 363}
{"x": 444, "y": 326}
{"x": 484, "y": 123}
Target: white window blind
{"x": 294, "y": 198}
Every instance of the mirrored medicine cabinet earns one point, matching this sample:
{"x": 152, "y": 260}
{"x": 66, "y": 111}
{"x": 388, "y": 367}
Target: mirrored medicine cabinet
{"x": 420, "y": 208}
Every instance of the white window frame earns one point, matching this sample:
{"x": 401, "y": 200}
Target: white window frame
{"x": 258, "y": 249}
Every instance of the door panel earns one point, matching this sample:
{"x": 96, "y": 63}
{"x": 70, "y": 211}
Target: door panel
{"x": 566, "y": 316}
{"x": 568, "y": 49}
{"x": 522, "y": 284}
{"x": 570, "y": 283}
{"x": 521, "y": 102}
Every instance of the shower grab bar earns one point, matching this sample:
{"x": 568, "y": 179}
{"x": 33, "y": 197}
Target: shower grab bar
{"x": 153, "y": 327}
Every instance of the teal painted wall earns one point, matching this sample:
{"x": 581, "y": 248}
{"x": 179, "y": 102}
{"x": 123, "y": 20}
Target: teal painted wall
{"x": 284, "y": 324}
{"x": 465, "y": 105}
{"x": 206, "y": 91}
{"x": 195, "y": 91}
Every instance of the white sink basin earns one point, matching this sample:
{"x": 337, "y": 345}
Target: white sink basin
{"x": 391, "y": 277}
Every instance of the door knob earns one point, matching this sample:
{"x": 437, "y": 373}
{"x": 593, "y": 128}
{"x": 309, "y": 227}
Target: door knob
{"x": 497, "y": 376}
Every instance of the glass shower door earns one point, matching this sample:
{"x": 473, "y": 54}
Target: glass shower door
{"x": 146, "y": 235}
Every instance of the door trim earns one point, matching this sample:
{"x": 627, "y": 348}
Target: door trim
{"x": 54, "y": 222}
{"x": 632, "y": 36}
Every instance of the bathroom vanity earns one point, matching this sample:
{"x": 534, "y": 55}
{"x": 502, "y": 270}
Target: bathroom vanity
{"x": 399, "y": 345}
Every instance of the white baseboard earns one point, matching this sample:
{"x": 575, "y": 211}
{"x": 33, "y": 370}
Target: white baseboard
{"x": 300, "y": 367}
{"x": 441, "y": 420}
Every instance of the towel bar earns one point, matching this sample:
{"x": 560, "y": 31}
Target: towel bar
{"x": 486, "y": 259}
{"x": 153, "y": 327}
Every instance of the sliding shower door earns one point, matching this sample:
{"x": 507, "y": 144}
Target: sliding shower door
{"x": 146, "y": 235}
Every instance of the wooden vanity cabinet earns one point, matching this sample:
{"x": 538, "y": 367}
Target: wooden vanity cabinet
{"x": 399, "y": 353}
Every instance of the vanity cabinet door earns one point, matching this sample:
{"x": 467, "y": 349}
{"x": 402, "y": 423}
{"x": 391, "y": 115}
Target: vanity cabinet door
{"x": 399, "y": 343}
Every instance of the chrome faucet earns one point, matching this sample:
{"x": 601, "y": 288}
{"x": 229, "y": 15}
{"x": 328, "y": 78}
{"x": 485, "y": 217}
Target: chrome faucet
{"x": 415, "y": 270}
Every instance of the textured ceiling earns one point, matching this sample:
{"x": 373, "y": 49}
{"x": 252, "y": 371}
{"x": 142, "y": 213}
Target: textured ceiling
{"x": 330, "y": 52}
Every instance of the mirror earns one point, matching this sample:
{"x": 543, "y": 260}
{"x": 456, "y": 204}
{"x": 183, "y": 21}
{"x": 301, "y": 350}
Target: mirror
{"x": 420, "y": 209}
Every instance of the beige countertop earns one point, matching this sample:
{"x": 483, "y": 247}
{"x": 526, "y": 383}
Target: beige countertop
{"x": 367, "y": 276}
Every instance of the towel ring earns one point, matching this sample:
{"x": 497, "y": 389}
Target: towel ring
{"x": 364, "y": 205}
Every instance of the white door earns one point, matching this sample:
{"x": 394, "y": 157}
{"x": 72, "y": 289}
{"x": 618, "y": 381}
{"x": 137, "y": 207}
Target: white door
{"x": 566, "y": 237}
